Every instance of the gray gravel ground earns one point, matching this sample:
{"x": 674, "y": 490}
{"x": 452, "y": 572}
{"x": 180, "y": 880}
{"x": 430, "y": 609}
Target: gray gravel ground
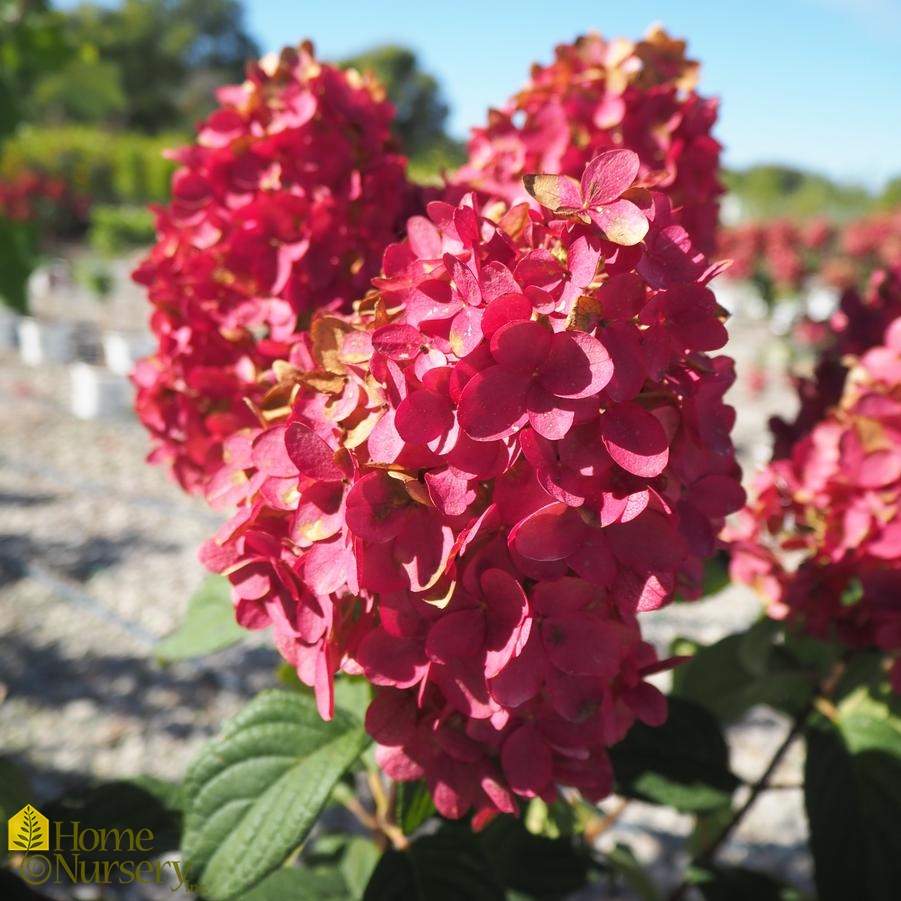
{"x": 97, "y": 559}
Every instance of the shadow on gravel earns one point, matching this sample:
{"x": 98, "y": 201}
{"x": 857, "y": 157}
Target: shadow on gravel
{"x": 14, "y": 499}
{"x": 128, "y": 685}
{"x": 73, "y": 560}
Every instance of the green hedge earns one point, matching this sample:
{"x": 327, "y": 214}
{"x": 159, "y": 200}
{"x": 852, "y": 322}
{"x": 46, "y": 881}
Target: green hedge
{"x": 110, "y": 167}
{"x": 118, "y": 228}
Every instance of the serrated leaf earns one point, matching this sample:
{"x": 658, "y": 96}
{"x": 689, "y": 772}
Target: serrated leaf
{"x": 446, "y": 866}
{"x": 414, "y": 805}
{"x": 209, "y": 624}
{"x": 852, "y": 790}
{"x": 684, "y": 763}
{"x": 254, "y": 793}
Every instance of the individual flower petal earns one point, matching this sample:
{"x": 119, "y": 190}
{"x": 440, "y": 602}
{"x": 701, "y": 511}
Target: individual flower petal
{"x": 527, "y": 762}
{"x": 608, "y": 176}
{"x": 577, "y": 366}
{"x": 635, "y": 439}
{"x": 521, "y": 346}
{"x": 423, "y": 416}
{"x": 310, "y": 454}
{"x": 493, "y": 404}
{"x": 622, "y": 222}
{"x": 551, "y": 533}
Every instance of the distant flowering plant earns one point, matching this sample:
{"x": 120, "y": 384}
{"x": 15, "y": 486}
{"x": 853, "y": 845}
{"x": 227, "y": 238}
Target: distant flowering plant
{"x": 857, "y": 325}
{"x": 468, "y": 488}
{"x": 283, "y": 206}
{"x": 781, "y": 256}
{"x": 47, "y": 201}
{"x": 821, "y": 540}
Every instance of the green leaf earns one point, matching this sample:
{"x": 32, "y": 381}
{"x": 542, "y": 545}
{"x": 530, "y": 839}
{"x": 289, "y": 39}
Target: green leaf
{"x": 446, "y": 866}
{"x": 852, "y": 789}
{"x": 709, "y": 824}
{"x": 623, "y": 863}
{"x": 15, "y": 790}
{"x": 559, "y": 818}
{"x": 208, "y": 626}
{"x": 414, "y": 805}
{"x": 140, "y": 803}
{"x": 533, "y": 864}
{"x": 744, "y": 669}
{"x": 255, "y": 792}
{"x": 740, "y": 884}
{"x": 18, "y": 257}
{"x": 12, "y": 888}
{"x": 358, "y": 864}
{"x": 755, "y": 651}
{"x": 297, "y": 884}
{"x": 684, "y": 763}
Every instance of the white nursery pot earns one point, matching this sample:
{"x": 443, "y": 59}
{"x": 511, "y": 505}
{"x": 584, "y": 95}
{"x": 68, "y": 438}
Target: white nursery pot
{"x": 45, "y": 342}
{"x": 98, "y": 394}
{"x": 121, "y": 350}
{"x": 9, "y": 330}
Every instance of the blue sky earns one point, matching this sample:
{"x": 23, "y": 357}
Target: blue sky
{"x": 815, "y": 83}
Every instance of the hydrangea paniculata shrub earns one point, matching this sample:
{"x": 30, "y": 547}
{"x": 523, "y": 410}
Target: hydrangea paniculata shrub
{"x": 821, "y": 541}
{"x": 598, "y": 95}
{"x": 468, "y": 488}
{"x": 284, "y": 205}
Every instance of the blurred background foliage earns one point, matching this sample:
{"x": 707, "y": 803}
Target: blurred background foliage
{"x": 92, "y": 94}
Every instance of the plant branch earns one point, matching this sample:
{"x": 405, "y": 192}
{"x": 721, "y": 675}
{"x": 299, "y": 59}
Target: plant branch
{"x": 819, "y": 697}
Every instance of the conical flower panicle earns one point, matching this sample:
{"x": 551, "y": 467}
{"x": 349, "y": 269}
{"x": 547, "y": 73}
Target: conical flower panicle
{"x": 282, "y": 206}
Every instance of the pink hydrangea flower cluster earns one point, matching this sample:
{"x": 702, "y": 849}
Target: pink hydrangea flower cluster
{"x": 597, "y": 95}
{"x": 283, "y": 206}
{"x": 858, "y": 325}
{"x": 467, "y": 489}
{"x": 821, "y": 541}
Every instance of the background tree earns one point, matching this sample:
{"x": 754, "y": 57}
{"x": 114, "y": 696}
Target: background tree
{"x": 891, "y": 194}
{"x": 775, "y": 191}
{"x": 140, "y": 64}
{"x": 416, "y": 95}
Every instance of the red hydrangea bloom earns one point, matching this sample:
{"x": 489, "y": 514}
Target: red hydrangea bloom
{"x": 858, "y": 325}
{"x": 284, "y": 205}
{"x": 821, "y": 540}
{"x": 598, "y": 95}
{"x": 469, "y": 488}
